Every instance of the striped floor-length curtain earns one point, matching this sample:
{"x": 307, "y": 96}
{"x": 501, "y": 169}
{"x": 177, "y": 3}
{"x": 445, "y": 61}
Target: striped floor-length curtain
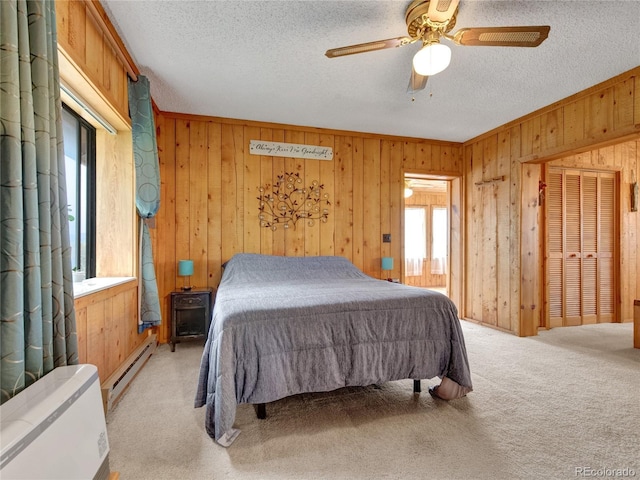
{"x": 145, "y": 154}
{"x": 38, "y": 328}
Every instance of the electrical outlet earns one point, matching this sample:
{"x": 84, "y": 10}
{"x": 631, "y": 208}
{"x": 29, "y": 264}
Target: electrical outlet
{"x": 386, "y": 238}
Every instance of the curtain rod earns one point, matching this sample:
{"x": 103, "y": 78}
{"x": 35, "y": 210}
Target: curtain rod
{"x": 82, "y": 104}
{"x": 493, "y": 180}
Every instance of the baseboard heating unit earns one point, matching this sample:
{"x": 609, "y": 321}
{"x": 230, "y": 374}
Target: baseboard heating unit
{"x": 114, "y": 386}
{"x": 55, "y": 429}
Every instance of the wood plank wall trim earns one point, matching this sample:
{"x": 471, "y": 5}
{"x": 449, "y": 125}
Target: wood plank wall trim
{"x": 99, "y": 15}
{"x": 306, "y": 129}
{"x": 88, "y": 50}
{"x": 610, "y": 138}
{"x": 530, "y": 260}
{"x": 92, "y": 93}
{"x": 603, "y": 117}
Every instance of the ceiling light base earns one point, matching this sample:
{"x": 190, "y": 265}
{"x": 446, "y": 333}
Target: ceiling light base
{"x": 416, "y": 19}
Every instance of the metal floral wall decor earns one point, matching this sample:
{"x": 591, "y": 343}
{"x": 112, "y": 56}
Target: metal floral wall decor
{"x": 289, "y": 201}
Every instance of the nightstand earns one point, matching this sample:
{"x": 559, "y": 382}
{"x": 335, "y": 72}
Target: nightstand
{"x": 190, "y": 314}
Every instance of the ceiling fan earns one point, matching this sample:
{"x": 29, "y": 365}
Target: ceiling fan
{"x": 430, "y": 21}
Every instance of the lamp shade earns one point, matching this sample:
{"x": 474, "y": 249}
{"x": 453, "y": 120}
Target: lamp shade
{"x": 431, "y": 59}
{"x": 185, "y": 268}
{"x": 387, "y": 263}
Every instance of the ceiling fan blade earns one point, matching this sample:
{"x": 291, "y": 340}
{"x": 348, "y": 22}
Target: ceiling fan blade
{"x": 416, "y": 82}
{"x": 368, "y": 47}
{"x": 441, "y": 11}
{"x": 530, "y": 36}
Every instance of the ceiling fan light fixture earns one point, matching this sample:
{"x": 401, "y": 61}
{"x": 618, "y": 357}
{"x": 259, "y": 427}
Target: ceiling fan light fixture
{"x": 433, "y": 58}
{"x": 408, "y": 191}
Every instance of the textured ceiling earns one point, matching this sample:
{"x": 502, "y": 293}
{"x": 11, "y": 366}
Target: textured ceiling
{"x": 264, "y": 61}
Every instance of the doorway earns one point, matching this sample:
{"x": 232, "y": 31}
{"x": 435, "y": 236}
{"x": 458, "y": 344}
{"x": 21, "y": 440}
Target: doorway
{"x": 427, "y": 233}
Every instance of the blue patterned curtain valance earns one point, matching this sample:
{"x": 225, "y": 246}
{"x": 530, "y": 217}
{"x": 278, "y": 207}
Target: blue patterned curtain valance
{"x": 145, "y": 148}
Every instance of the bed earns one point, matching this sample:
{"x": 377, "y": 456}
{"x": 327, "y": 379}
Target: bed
{"x": 288, "y": 325}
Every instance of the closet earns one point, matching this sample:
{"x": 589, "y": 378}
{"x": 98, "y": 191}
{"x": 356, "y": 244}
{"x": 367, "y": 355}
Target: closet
{"x": 581, "y": 238}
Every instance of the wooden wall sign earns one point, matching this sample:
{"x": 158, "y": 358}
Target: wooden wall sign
{"x": 293, "y": 150}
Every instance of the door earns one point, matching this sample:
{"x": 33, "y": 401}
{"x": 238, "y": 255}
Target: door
{"x": 581, "y": 236}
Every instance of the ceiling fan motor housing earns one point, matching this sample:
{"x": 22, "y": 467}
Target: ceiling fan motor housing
{"x": 416, "y": 19}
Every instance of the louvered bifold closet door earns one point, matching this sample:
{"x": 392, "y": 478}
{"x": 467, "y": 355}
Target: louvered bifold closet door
{"x": 606, "y": 250}
{"x": 581, "y": 235}
{"x": 589, "y": 248}
{"x": 572, "y": 249}
{"x": 555, "y": 249}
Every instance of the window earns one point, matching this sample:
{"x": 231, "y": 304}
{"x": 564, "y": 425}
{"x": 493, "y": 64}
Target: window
{"x": 439, "y": 244}
{"x": 80, "y": 161}
{"x": 415, "y": 240}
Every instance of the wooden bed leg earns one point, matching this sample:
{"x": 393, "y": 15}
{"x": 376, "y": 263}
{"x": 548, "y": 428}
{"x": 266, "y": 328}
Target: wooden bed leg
{"x": 261, "y": 410}
{"x": 417, "y": 388}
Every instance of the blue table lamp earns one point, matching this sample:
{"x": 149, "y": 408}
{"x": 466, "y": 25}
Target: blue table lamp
{"x": 387, "y": 265}
{"x": 185, "y": 269}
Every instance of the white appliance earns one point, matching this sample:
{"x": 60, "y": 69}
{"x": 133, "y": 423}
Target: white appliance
{"x": 55, "y": 428}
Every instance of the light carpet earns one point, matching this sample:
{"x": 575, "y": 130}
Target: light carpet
{"x": 563, "y": 404}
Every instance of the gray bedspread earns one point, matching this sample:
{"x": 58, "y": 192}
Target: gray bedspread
{"x": 288, "y": 325}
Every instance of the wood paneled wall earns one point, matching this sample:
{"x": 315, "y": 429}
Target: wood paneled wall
{"x": 107, "y": 321}
{"x": 107, "y": 325}
{"x": 116, "y": 218}
{"x": 87, "y": 52}
{"x": 503, "y": 241}
{"x": 209, "y": 205}
{"x": 492, "y": 231}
